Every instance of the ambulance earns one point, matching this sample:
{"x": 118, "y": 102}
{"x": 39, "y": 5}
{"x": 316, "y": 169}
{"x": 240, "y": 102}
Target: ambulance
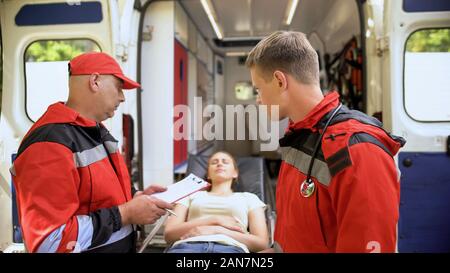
{"x": 389, "y": 59}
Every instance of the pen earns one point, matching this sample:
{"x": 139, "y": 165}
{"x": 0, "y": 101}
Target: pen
{"x": 171, "y": 212}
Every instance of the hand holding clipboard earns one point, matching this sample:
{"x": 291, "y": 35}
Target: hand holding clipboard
{"x": 175, "y": 192}
{"x": 183, "y": 188}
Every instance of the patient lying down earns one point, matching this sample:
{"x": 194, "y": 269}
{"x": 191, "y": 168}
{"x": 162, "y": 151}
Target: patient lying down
{"x": 220, "y": 220}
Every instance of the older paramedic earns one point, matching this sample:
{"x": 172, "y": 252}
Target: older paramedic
{"x": 73, "y": 189}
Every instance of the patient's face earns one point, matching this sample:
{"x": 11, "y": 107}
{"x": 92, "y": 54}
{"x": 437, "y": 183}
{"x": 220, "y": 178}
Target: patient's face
{"x": 221, "y": 168}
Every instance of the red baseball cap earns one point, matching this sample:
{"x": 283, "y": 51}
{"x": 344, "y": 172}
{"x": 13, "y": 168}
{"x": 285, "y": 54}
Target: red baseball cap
{"x": 101, "y": 63}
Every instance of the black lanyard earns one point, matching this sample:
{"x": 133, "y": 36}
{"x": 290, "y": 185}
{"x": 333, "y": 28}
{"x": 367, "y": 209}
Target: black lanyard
{"x": 307, "y": 187}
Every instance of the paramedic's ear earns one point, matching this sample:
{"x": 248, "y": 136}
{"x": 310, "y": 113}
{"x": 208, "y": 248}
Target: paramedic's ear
{"x": 281, "y": 79}
{"x": 94, "y": 79}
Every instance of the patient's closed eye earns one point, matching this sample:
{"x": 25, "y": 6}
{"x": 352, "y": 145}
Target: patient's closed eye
{"x": 217, "y": 161}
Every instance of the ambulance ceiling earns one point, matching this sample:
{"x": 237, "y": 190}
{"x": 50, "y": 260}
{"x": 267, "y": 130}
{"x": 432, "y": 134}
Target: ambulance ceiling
{"x": 256, "y": 18}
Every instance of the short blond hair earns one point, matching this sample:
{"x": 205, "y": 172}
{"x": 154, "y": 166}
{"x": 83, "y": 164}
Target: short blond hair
{"x": 289, "y": 52}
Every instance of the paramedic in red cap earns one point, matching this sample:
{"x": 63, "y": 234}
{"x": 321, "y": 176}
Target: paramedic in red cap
{"x": 74, "y": 192}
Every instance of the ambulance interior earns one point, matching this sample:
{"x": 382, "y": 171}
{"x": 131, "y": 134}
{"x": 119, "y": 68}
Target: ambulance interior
{"x": 192, "y": 53}
{"x": 333, "y": 28}
{"x": 210, "y": 40}
{"x": 369, "y": 51}
{"x": 216, "y": 70}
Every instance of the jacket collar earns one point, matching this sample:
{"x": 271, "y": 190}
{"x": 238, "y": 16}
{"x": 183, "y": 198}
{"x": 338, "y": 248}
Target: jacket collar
{"x": 60, "y": 113}
{"x": 328, "y": 103}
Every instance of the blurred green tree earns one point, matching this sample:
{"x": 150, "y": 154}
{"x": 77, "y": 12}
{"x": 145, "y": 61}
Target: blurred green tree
{"x": 429, "y": 40}
{"x": 58, "y": 50}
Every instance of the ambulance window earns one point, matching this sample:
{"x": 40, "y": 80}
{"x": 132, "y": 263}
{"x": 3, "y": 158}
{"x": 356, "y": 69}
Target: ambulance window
{"x": 244, "y": 91}
{"x": 426, "y": 81}
{"x": 46, "y": 72}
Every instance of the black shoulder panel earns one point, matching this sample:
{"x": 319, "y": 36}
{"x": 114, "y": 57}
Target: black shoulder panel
{"x": 303, "y": 140}
{"x": 367, "y": 138}
{"x": 345, "y": 114}
{"x": 76, "y": 138}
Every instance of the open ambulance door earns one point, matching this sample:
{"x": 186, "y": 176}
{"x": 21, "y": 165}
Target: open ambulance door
{"x": 416, "y": 61}
{"x": 39, "y": 37}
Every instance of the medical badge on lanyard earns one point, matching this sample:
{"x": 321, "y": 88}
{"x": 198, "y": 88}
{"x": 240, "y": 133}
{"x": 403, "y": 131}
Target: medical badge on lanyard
{"x": 307, "y": 188}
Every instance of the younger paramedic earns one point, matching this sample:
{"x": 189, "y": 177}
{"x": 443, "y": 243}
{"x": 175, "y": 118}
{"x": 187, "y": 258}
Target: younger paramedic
{"x": 338, "y": 187}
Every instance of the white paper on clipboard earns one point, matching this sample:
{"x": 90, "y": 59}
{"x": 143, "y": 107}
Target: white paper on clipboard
{"x": 189, "y": 185}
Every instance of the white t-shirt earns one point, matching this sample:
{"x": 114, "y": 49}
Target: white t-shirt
{"x": 203, "y": 204}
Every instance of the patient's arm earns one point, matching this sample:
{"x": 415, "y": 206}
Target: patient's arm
{"x": 276, "y": 248}
{"x": 177, "y": 226}
{"x": 256, "y": 240}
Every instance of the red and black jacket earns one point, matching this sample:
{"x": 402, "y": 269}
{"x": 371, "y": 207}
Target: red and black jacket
{"x": 70, "y": 178}
{"x": 355, "y": 206}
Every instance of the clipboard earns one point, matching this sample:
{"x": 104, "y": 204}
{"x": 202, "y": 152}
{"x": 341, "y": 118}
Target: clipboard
{"x": 177, "y": 191}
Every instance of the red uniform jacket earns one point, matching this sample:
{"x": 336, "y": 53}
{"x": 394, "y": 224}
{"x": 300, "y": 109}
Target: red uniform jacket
{"x": 355, "y": 206}
{"x": 70, "y": 178}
